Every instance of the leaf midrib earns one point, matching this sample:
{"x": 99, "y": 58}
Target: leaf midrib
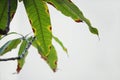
{"x": 39, "y": 19}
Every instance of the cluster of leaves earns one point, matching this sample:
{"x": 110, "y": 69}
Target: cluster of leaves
{"x": 39, "y": 18}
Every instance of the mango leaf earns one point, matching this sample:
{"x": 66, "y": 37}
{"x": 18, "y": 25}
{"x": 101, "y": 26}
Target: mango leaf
{"x": 52, "y": 59}
{"x": 39, "y": 18}
{"x": 21, "y": 62}
{"x": 2, "y": 36}
{"x": 60, "y": 43}
{"x": 4, "y": 14}
{"x": 68, "y": 8}
{"x": 8, "y": 46}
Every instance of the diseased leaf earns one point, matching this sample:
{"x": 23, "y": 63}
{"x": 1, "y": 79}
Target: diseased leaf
{"x": 21, "y": 62}
{"x": 8, "y": 46}
{"x": 68, "y": 8}
{"x": 4, "y": 14}
{"x": 39, "y": 18}
{"x": 60, "y": 43}
{"x": 52, "y": 59}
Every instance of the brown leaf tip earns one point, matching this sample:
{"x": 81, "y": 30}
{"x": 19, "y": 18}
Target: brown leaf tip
{"x": 18, "y": 68}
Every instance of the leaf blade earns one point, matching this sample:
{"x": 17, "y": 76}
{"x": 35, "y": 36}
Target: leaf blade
{"x": 40, "y": 21}
{"x": 3, "y": 14}
{"x": 68, "y": 8}
{"x": 52, "y": 59}
{"x": 8, "y": 46}
{"x": 21, "y": 62}
{"x": 60, "y": 43}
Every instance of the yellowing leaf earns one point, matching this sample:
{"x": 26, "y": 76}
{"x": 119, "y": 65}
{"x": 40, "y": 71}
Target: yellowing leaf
{"x": 39, "y": 18}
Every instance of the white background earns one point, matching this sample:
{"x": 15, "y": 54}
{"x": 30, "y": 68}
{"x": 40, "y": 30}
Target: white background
{"x": 89, "y": 58}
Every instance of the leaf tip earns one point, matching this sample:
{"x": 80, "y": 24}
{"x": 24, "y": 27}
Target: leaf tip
{"x": 18, "y": 69}
{"x": 94, "y": 31}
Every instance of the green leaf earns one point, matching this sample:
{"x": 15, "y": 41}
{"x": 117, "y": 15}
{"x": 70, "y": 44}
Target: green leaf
{"x": 8, "y": 46}
{"x": 4, "y": 13}
{"x": 52, "y": 59}
{"x": 68, "y": 8}
{"x": 1, "y": 37}
{"x": 39, "y": 18}
{"x": 60, "y": 43}
{"x": 22, "y": 60}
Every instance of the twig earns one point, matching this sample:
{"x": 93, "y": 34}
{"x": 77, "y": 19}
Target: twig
{"x": 23, "y": 53}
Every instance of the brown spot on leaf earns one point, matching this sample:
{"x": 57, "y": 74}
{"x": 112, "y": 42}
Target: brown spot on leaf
{"x": 49, "y": 28}
{"x": 47, "y": 11}
{"x": 55, "y": 62}
{"x": 78, "y": 20}
{"x": 51, "y": 4}
{"x": 12, "y": 15}
{"x": 6, "y": 48}
{"x": 50, "y": 47}
{"x": 30, "y": 22}
{"x": 69, "y": 0}
{"x": 33, "y": 30}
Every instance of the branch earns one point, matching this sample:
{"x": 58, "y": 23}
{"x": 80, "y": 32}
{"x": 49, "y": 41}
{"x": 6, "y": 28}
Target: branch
{"x": 23, "y": 53}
